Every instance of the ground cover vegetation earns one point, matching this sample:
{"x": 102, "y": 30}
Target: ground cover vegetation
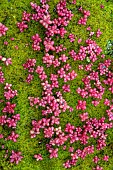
{"x": 56, "y": 85}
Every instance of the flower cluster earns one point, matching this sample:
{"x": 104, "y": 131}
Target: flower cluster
{"x": 98, "y": 33}
{"x": 9, "y": 119}
{"x": 72, "y": 37}
{"x": 2, "y": 78}
{"x": 9, "y": 93}
{"x": 88, "y": 91}
{"x": 30, "y": 64}
{"x": 22, "y": 26}
{"x": 83, "y": 19}
{"x": 36, "y": 42}
{"x": 15, "y": 157}
{"x": 81, "y": 105}
{"x": 6, "y": 61}
{"x": 92, "y": 49}
{"x": 3, "y": 29}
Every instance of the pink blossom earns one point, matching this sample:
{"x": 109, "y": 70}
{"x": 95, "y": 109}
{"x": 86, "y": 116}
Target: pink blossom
{"x": 84, "y": 116}
{"x": 1, "y": 136}
{"x": 46, "y": 21}
{"x": 98, "y": 168}
{"x": 96, "y": 159}
{"x": 80, "y": 67}
{"x": 56, "y": 63}
{"x": 13, "y": 136}
{"x": 59, "y": 48}
{"x": 48, "y": 132}
{"x": 63, "y": 58}
{"x": 91, "y": 33}
{"x": 48, "y": 59}
{"x": 71, "y": 37}
{"x": 98, "y": 33}
{"x": 15, "y": 157}
{"x": 38, "y": 157}
{"x": 101, "y": 6}
{"x": 67, "y": 67}
{"x": 2, "y": 79}
{"x": 26, "y": 16}
{"x": 79, "y": 40}
{"x": 16, "y": 47}
{"x": 9, "y": 108}
{"x": 53, "y": 153}
{"x": 29, "y": 78}
{"x": 3, "y": 120}
{"x": 3, "y": 29}
{"x": 95, "y": 102}
{"x": 88, "y": 28}
{"x": 71, "y": 149}
{"x": 22, "y": 26}
{"x": 74, "y": 2}
{"x": 107, "y": 102}
{"x": 36, "y": 42}
{"x": 106, "y": 158}
{"x": 48, "y": 43}
{"x": 5, "y": 43}
{"x": 66, "y": 88}
{"x": 12, "y": 38}
{"x": 81, "y": 105}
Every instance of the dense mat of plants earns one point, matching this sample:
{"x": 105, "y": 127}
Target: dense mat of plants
{"x": 56, "y": 85}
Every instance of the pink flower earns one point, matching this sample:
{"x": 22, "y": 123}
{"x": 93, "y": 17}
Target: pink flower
{"x": 84, "y": 116}
{"x": 80, "y": 67}
{"x": 3, "y": 29}
{"x": 36, "y": 42}
{"x": 74, "y": 2}
{"x": 79, "y": 40}
{"x": 38, "y": 157}
{"x": 15, "y": 157}
{"x": 106, "y": 158}
{"x": 91, "y": 33}
{"x": 63, "y": 58}
{"x": 48, "y": 132}
{"x": 2, "y": 79}
{"x": 5, "y": 43}
{"x": 88, "y": 28}
{"x": 12, "y": 38}
{"x": 98, "y": 33}
{"x": 96, "y": 159}
{"x": 81, "y": 105}
{"x": 22, "y": 26}
{"x": 1, "y": 136}
{"x": 101, "y": 6}
{"x": 95, "y": 102}
{"x": 9, "y": 108}
{"x": 13, "y": 136}
{"x": 53, "y": 153}
{"x": 29, "y": 78}
{"x": 26, "y": 16}
{"x": 98, "y": 168}
{"x": 71, "y": 37}
{"x": 66, "y": 88}
{"x": 16, "y": 47}
{"x": 107, "y": 102}
{"x": 48, "y": 59}
{"x": 48, "y": 43}
{"x": 71, "y": 149}
{"x": 46, "y": 21}
{"x": 3, "y": 120}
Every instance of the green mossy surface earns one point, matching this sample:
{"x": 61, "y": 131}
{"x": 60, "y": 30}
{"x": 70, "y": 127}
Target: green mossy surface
{"x": 10, "y": 14}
